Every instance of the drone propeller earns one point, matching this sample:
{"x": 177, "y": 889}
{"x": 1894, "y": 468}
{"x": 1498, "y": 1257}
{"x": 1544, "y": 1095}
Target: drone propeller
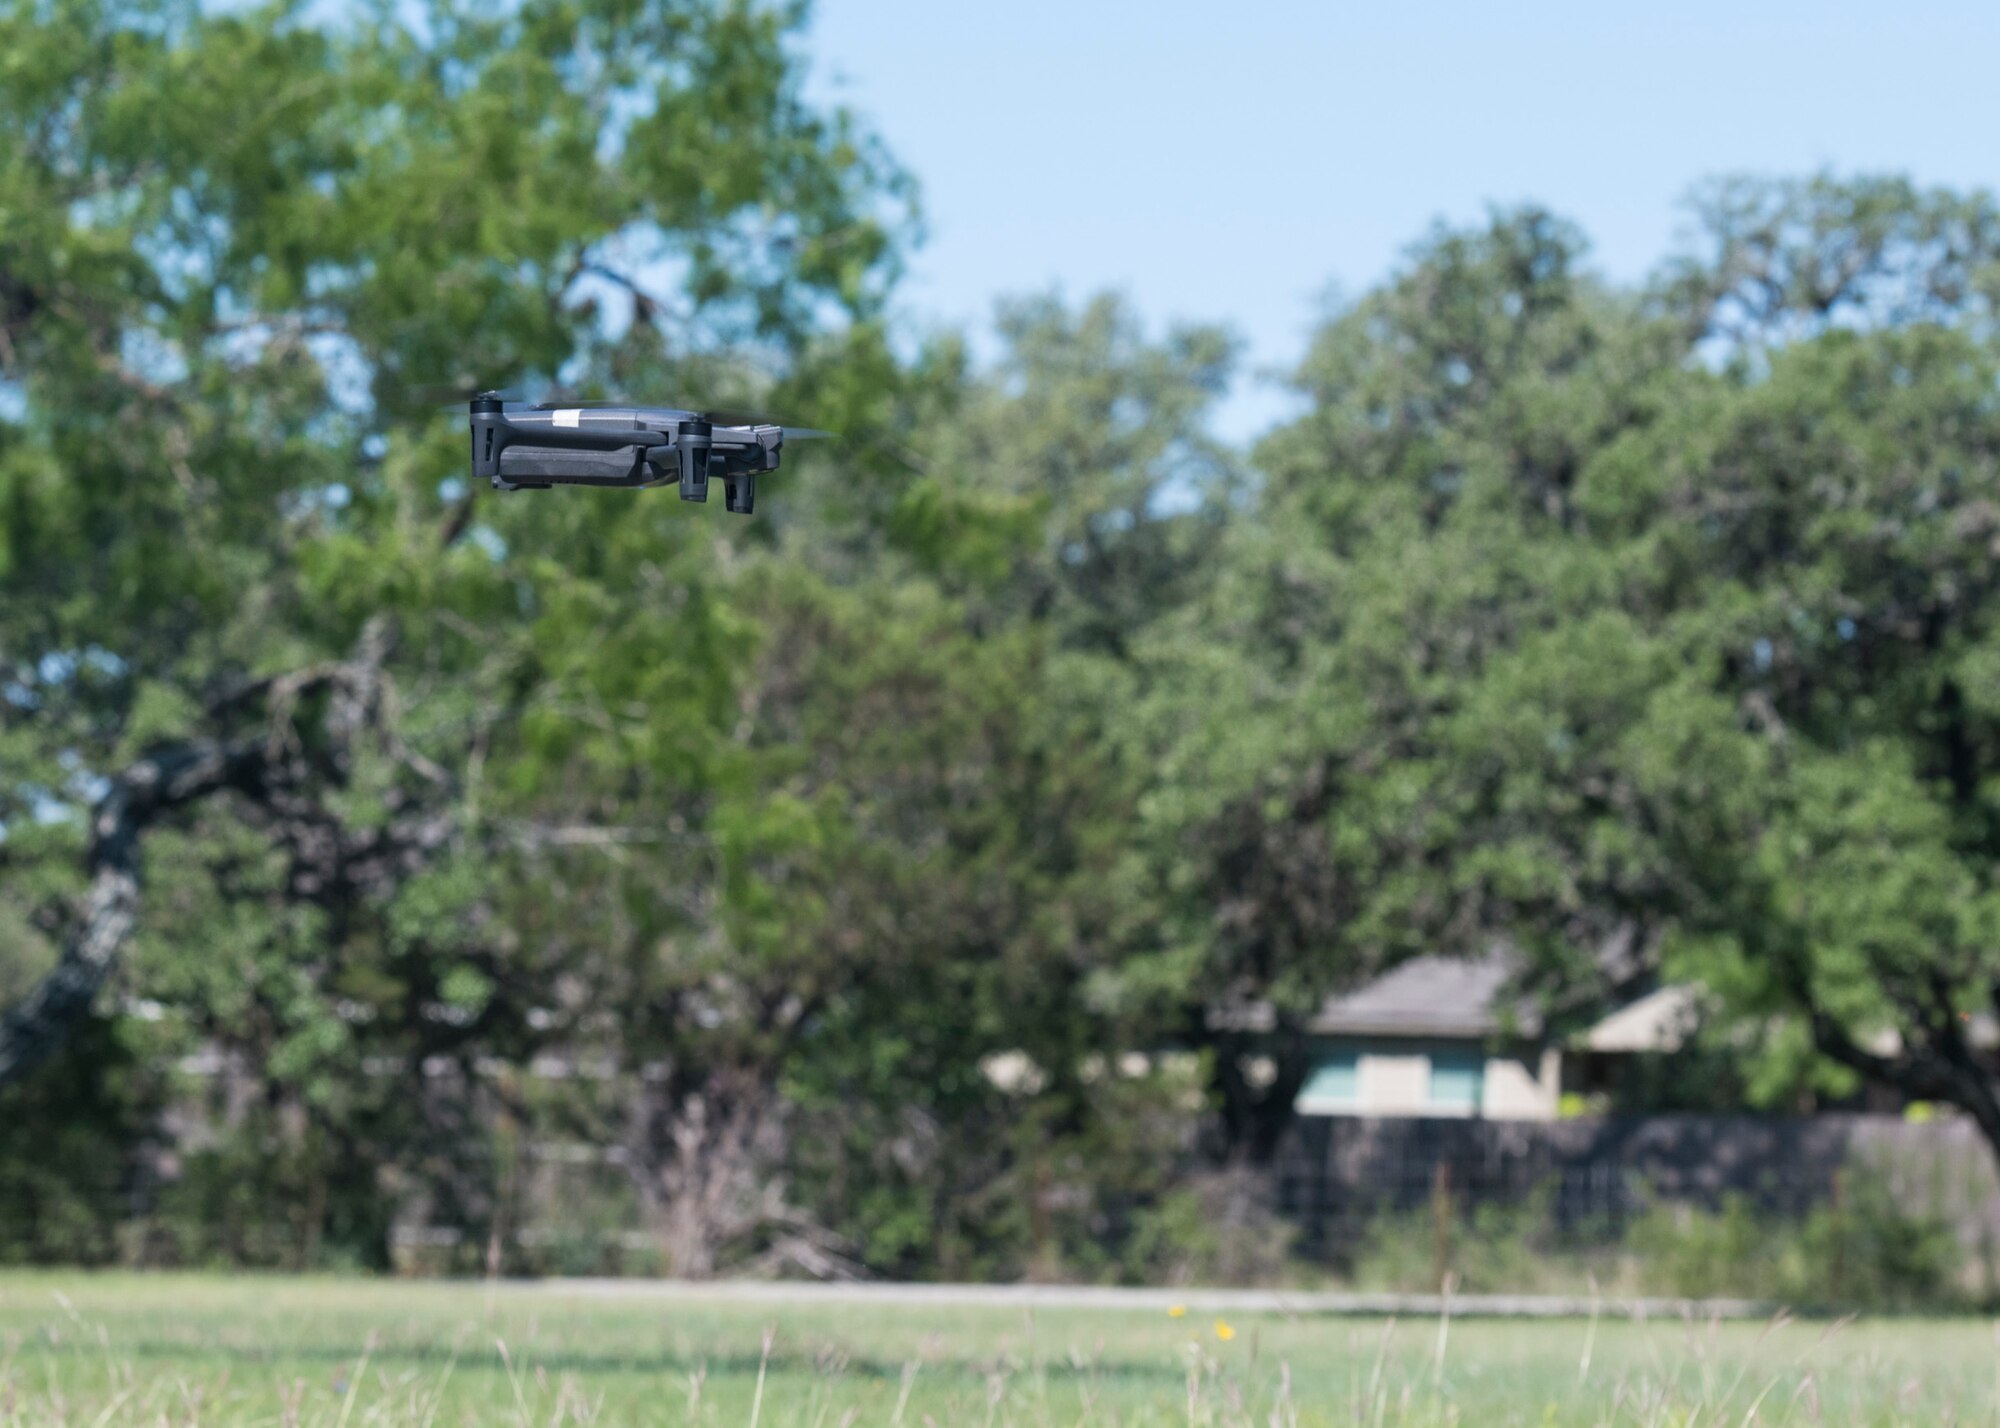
{"x": 455, "y": 396}
{"x": 736, "y": 416}
{"x": 446, "y": 396}
{"x": 728, "y": 417}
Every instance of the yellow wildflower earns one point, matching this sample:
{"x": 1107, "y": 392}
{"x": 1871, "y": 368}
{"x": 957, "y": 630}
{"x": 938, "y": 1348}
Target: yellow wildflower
{"x": 1223, "y": 1331}
{"x": 1178, "y": 1311}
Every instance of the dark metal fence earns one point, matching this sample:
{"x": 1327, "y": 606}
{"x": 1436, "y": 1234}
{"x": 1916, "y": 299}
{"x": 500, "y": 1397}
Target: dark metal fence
{"x": 1336, "y": 1176}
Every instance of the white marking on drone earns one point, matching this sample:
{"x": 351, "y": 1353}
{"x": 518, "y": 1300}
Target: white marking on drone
{"x": 565, "y": 418}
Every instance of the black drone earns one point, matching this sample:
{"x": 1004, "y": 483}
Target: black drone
{"x": 531, "y": 448}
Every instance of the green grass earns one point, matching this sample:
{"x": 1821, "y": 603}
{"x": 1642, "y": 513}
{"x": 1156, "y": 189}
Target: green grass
{"x": 78, "y": 1349}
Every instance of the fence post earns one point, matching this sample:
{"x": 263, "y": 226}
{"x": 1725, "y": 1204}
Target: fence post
{"x": 1040, "y": 1251}
{"x": 1837, "y": 1271}
{"x": 1441, "y": 1224}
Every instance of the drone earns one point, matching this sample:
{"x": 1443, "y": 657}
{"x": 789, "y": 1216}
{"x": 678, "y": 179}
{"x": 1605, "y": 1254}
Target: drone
{"x": 519, "y": 447}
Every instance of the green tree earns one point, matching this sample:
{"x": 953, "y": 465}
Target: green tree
{"x": 944, "y": 684}
{"x": 1646, "y": 624}
{"x": 247, "y": 606}
{"x": 1325, "y": 716}
{"x": 1810, "y": 531}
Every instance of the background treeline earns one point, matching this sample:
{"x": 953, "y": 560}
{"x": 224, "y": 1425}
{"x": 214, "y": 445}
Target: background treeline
{"x": 1022, "y": 728}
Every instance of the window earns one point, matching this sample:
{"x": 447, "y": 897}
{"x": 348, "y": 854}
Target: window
{"x": 1457, "y": 1079}
{"x": 1336, "y": 1081}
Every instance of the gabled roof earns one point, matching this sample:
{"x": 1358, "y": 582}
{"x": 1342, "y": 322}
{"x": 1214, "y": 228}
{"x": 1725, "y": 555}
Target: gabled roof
{"x": 1431, "y": 996}
{"x": 1469, "y": 998}
{"x": 1659, "y": 1021}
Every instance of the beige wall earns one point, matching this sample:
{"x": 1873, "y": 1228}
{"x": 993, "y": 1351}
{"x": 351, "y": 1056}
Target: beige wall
{"x": 1395, "y": 1085}
{"x": 1395, "y": 1081}
{"x": 1523, "y": 1088}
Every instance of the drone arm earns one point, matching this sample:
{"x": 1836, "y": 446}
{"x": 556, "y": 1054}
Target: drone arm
{"x": 584, "y": 439}
{"x": 492, "y": 433}
{"x": 543, "y": 454}
{"x": 527, "y": 467}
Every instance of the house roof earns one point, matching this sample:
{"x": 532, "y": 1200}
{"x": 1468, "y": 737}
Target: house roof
{"x": 1658, "y": 1021}
{"x": 1465, "y": 998}
{"x": 1430, "y": 996}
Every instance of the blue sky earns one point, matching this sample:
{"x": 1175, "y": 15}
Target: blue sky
{"x": 1236, "y": 163}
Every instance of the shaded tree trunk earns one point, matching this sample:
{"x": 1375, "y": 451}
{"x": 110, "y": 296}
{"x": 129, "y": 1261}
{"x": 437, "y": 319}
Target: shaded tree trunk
{"x": 1258, "y": 1080}
{"x": 33, "y": 1029}
{"x": 708, "y": 1162}
{"x": 273, "y": 768}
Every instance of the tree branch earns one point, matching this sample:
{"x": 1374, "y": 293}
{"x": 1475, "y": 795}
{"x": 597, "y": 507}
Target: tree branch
{"x": 268, "y": 767}
{"x": 32, "y": 1030}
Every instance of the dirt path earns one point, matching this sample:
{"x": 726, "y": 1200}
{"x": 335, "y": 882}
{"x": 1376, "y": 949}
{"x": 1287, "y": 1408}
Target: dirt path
{"x": 1061, "y": 1296}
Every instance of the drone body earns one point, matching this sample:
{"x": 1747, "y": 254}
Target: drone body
{"x": 530, "y": 448}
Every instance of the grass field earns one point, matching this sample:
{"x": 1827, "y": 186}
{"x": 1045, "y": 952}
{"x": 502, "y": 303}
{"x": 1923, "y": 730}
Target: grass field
{"x": 184, "y": 1350}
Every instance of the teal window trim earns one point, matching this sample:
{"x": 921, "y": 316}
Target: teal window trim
{"x": 1458, "y": 1080}
{"x": 1335, "y": 1080}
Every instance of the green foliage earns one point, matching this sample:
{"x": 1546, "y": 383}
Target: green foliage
{"x": 229, "y": 245}
{"x": 1213, "y": 1229}
{"x": 66, "y": 1194}
{"x": 1868, "y": 1250}
{"x": 1651, "y": 632}
{"x": 1635, "y": 631}
{"x": 273, "y": 1193}
{"x": 1863, "y": 1247}
{"x": 1494, "y": 1248}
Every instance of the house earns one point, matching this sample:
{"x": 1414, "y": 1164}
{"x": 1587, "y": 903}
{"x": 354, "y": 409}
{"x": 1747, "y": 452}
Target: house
{"x": 1440, "y": 1036}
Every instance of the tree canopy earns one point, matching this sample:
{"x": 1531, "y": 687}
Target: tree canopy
{"x": 882, "y": 884}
